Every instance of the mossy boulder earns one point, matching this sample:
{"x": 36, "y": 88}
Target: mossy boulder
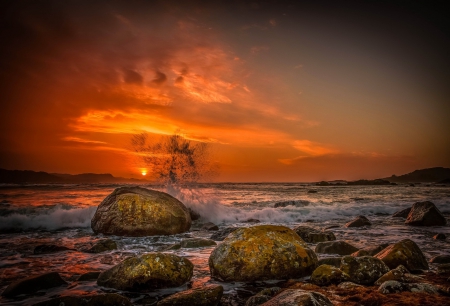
{"x": 425, "y": 214}
{"x": 32, "y": 284}
{"x": 400, "y": 274}
{"x": 359, "y": 222}
{"x": 147, "y": 272}
{"x": 397, "y": 287}
{"x": 107, "y": 299}
{"x": 197, "y": 243}
{"x": 326, "y": 275}
{"x": 261, "y": 252}
{"x": 299, "y": 297}
{"x": 406, "y": 253}
{"x": 203, "y": 296}
{"x": 103, "y": 246}
{"x": 363, "y": 270}
{"x": 312, "y": 235}
{"x": 136, "y": 211}
{"x": 335, "y": 247}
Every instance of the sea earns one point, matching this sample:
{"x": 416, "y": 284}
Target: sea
{"x": 32, "y": 215}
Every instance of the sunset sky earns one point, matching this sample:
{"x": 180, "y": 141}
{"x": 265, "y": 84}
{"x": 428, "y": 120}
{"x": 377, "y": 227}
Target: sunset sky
{"x": 282, "y": 90}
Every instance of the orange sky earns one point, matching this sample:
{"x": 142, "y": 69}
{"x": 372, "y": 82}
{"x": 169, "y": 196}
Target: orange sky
{"x": 282, "y": 92}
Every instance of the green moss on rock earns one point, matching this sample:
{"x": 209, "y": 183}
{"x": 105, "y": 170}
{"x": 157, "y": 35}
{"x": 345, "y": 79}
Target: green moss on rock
{"x": 326, "y": 275}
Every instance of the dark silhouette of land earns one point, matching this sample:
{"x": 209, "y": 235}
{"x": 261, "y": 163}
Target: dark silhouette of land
{"x": 429, "y": 175}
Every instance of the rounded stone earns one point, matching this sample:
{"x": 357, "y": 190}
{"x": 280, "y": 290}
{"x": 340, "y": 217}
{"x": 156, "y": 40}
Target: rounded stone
{"x": 406, "y": 253}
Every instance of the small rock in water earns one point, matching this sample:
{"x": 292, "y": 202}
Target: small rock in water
{"x": 222, "y": 234}
{"x": 439, "y": 236}
{"x": 210, "y": 227}
{"x": 299, "y": 297}
{"x": 402, "y": 213}
{"x": 440, "y": 259}
{"x": 196, "y": 243}
{"x": 312, "y": 235}
{"x": 406, "y": 253}
{"x": 32, "y": 284}
{"x": 194, "y": 215}
{"x": 49, "y": 249}
{"x": 370, "y": 251}
{"x": 203, "y": 296}
{"x": 103, "y": 246}
{"x": 425, "y": 214}
{"x": 358, "y": 222}
{"x": 89, "y": 276}
{"x": 363, "y": 270}
{"x": 335, "y": 247}
{"x": 297, "y": 203}
{"x": 326, "y": 275}
{"x": 107, "y": 299}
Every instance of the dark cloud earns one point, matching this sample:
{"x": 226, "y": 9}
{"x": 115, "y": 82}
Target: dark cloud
{"x": 132, "y": 77}
{"x": 160, "y": 78}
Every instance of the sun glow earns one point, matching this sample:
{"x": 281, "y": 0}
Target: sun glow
{"x": 144, "y": 172}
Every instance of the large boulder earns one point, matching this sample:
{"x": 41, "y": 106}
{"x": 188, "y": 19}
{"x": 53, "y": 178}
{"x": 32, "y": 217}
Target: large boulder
{"x": 261, "y": 252}
{"x": 34, "y": 283}
{"x": 425, "y": 214}
{"x": 335, "y": 247}
{"x": 203, "y": 296}
{"x": 358, "y": 222}
{"x": 135, "y": 211}
{"x": 298, "y": 297}
{"x": 147, "y": 272}
{"x": 312, "y": 235}
{"x": 363, "y": 270}
{"x": 326, "y": 275}
{"x": 406, "y": 253}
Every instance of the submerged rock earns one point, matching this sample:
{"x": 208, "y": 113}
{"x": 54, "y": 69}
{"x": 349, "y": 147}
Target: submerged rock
{"x": 49, "y": 249}
{"x": 261, "y": 252}
{"x": 107, "y": 299}
{"x": 326, "y": 275}
{"x": 312, "y": 235}
{"x": 425, "y": 214}
{"x": 335, "y": 247}
{"x": 136, "y": 211}
{"x": 440, "y": 259}
{"x": 400, "y": 274}
{"x": 209, "y": 226}
{"x": 299, "y": 297}
{"x": 197, "y": 243}
{"x": 222, "y": 234}
{"x": 402, "y": 213}
{"x": 103, "y": 246}
{"x": 34, "y": 283}
{"x": 406, "y": 253}
{"x": 358, "y": 222}
{"x": 147, "y": 272}
{"x": 439, "y": 236}
{"x": 203, "y": 296}
{"x": 363, "y": 270}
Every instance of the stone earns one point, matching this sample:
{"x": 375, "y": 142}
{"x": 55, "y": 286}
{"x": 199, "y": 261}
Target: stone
{"x": 363, "y": 270}
{"x": 370, "y": 251}
{"x": 326, "y": 275}
{"x": 49, "y": 249}
{"x": 209, "y": 295}
{"x": 89, "y": 276}
{"x": 443, "y": 268}
{"x": 262, "y": 296}
{"x": 348, "y": 285}
{"x": 106, "y": 299}
{"x": 261, "y": 252}
{"x": 312, "y": 191}
{"x": 440, "y": 259}
{"x": 193, "y": 214}
{"x": 34, "y": 283}
{"x": 397, "y": 287}
{"x": 298, "y": 297}
{"x": 103, "y": 246}
{"x": 312, "y": 235}
{"x": 136, "y": 211}
{"x": 335, "y": 247}
{"x": 296, "y": 203}
{"x": 222, "y": 234}
{"x": 196, "y": 243}
{"x": 400, "y": 274}
{"x": 210, "y": 227}
{"x": 425, "y": 214}
{"x": 439, "y": 236}
{"x": 147, "y": 272}
{"x": 406, "y": 253}
{"x": 402, "y": 213}
{"x": 332, "y": 261}
{"x": 252, "y": 220}
{"x": 358, "y": 222}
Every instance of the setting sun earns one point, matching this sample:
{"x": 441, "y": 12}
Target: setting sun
{"x": 144, "y": 172}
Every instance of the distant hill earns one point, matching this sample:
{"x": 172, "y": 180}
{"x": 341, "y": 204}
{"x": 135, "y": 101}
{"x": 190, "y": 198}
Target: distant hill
{"x": 430, "y": 175}
{"x": 33, "y": 177}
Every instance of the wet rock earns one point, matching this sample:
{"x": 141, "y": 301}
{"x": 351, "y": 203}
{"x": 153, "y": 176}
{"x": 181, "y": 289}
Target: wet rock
{"x": 358, "y": 222}
{"x": 363, "y": 270}
{"x": 326, "y": 275}
{"x": 296, "y": 203}
{"x": 396, "y": 287}
{"x": 425, "y": 214}
{"x": 197, "y": 243}
{"x": 400, "y": 274}
{"x": 222, "y": 234}
{"x": 34, "y": 283}
{"x": 193, "y": 214}
{"x": 312, "y": 235}
{"x": 370, "y": 251}
{"x": 348, "y": 285}
{"x": 107, "y": 260}
{"x": 172, "y": 247}
{"x": 89, "y": 276}
{"x": 332, "y": 261}
{"x": 261, "y": 252}
{"x": 136, "y": 211}
{"x": 262, "y": 296}
{"x": 103, "y": 246}
{"x": 210, "y": 227}
{"x": 443, "y": 268}
{"x": 251, "y": 220}
{"x": 204, "y": 296}
{"x": 440, "y": 259}
{"x": 49, "y": 249}
{"x": 406, "y": 253}
{"x": 298, "y": 297}
{"x": 147, "y": 272}
{"x": 335, "y": 247}
{"x": 107, "y": 299}
{"x": 402, "y": 213}
{"x": 439, "y": 236}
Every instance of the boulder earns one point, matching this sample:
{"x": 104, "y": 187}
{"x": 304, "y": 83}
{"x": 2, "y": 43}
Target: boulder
{"x": 363, "y": 270}
{"x": 397, "y": 287}
{"x": 439, "y": 236}
{"x": 370, "y": 251}
{"x": 196, "y": 243}
{"x": 335, "y": 247}
{"x": 262, "y": 296}
{"x": 358, "y": 222}
{"x": 296, "y": 203}
{"x": 34, "y": 283}
{"x": 440, "y": 259}
{"x": 298, "y": 297}
{"x": 326, "y": 275}
{"x": 402, "y": 213}
{"x": 400, "y": 274}
{"x": 136, "y": 211}
{"x": 103, "y": 246}
{"x": 332, "y": 261}
{"x": 210, "y": 227}
{"x": 222, "y": 234}
{"x": 49, "y": 249}
{"x": 209, "y": 295}
{"x": 147, "y": 272}
{"x": 261, "y": 252}
{"x": 312, "y": 235}
{"x": 406, "y": 253}
{"x": 106, "y": 299}
{"x": 89, "y": 276}
{"x": 425, "y": 214}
